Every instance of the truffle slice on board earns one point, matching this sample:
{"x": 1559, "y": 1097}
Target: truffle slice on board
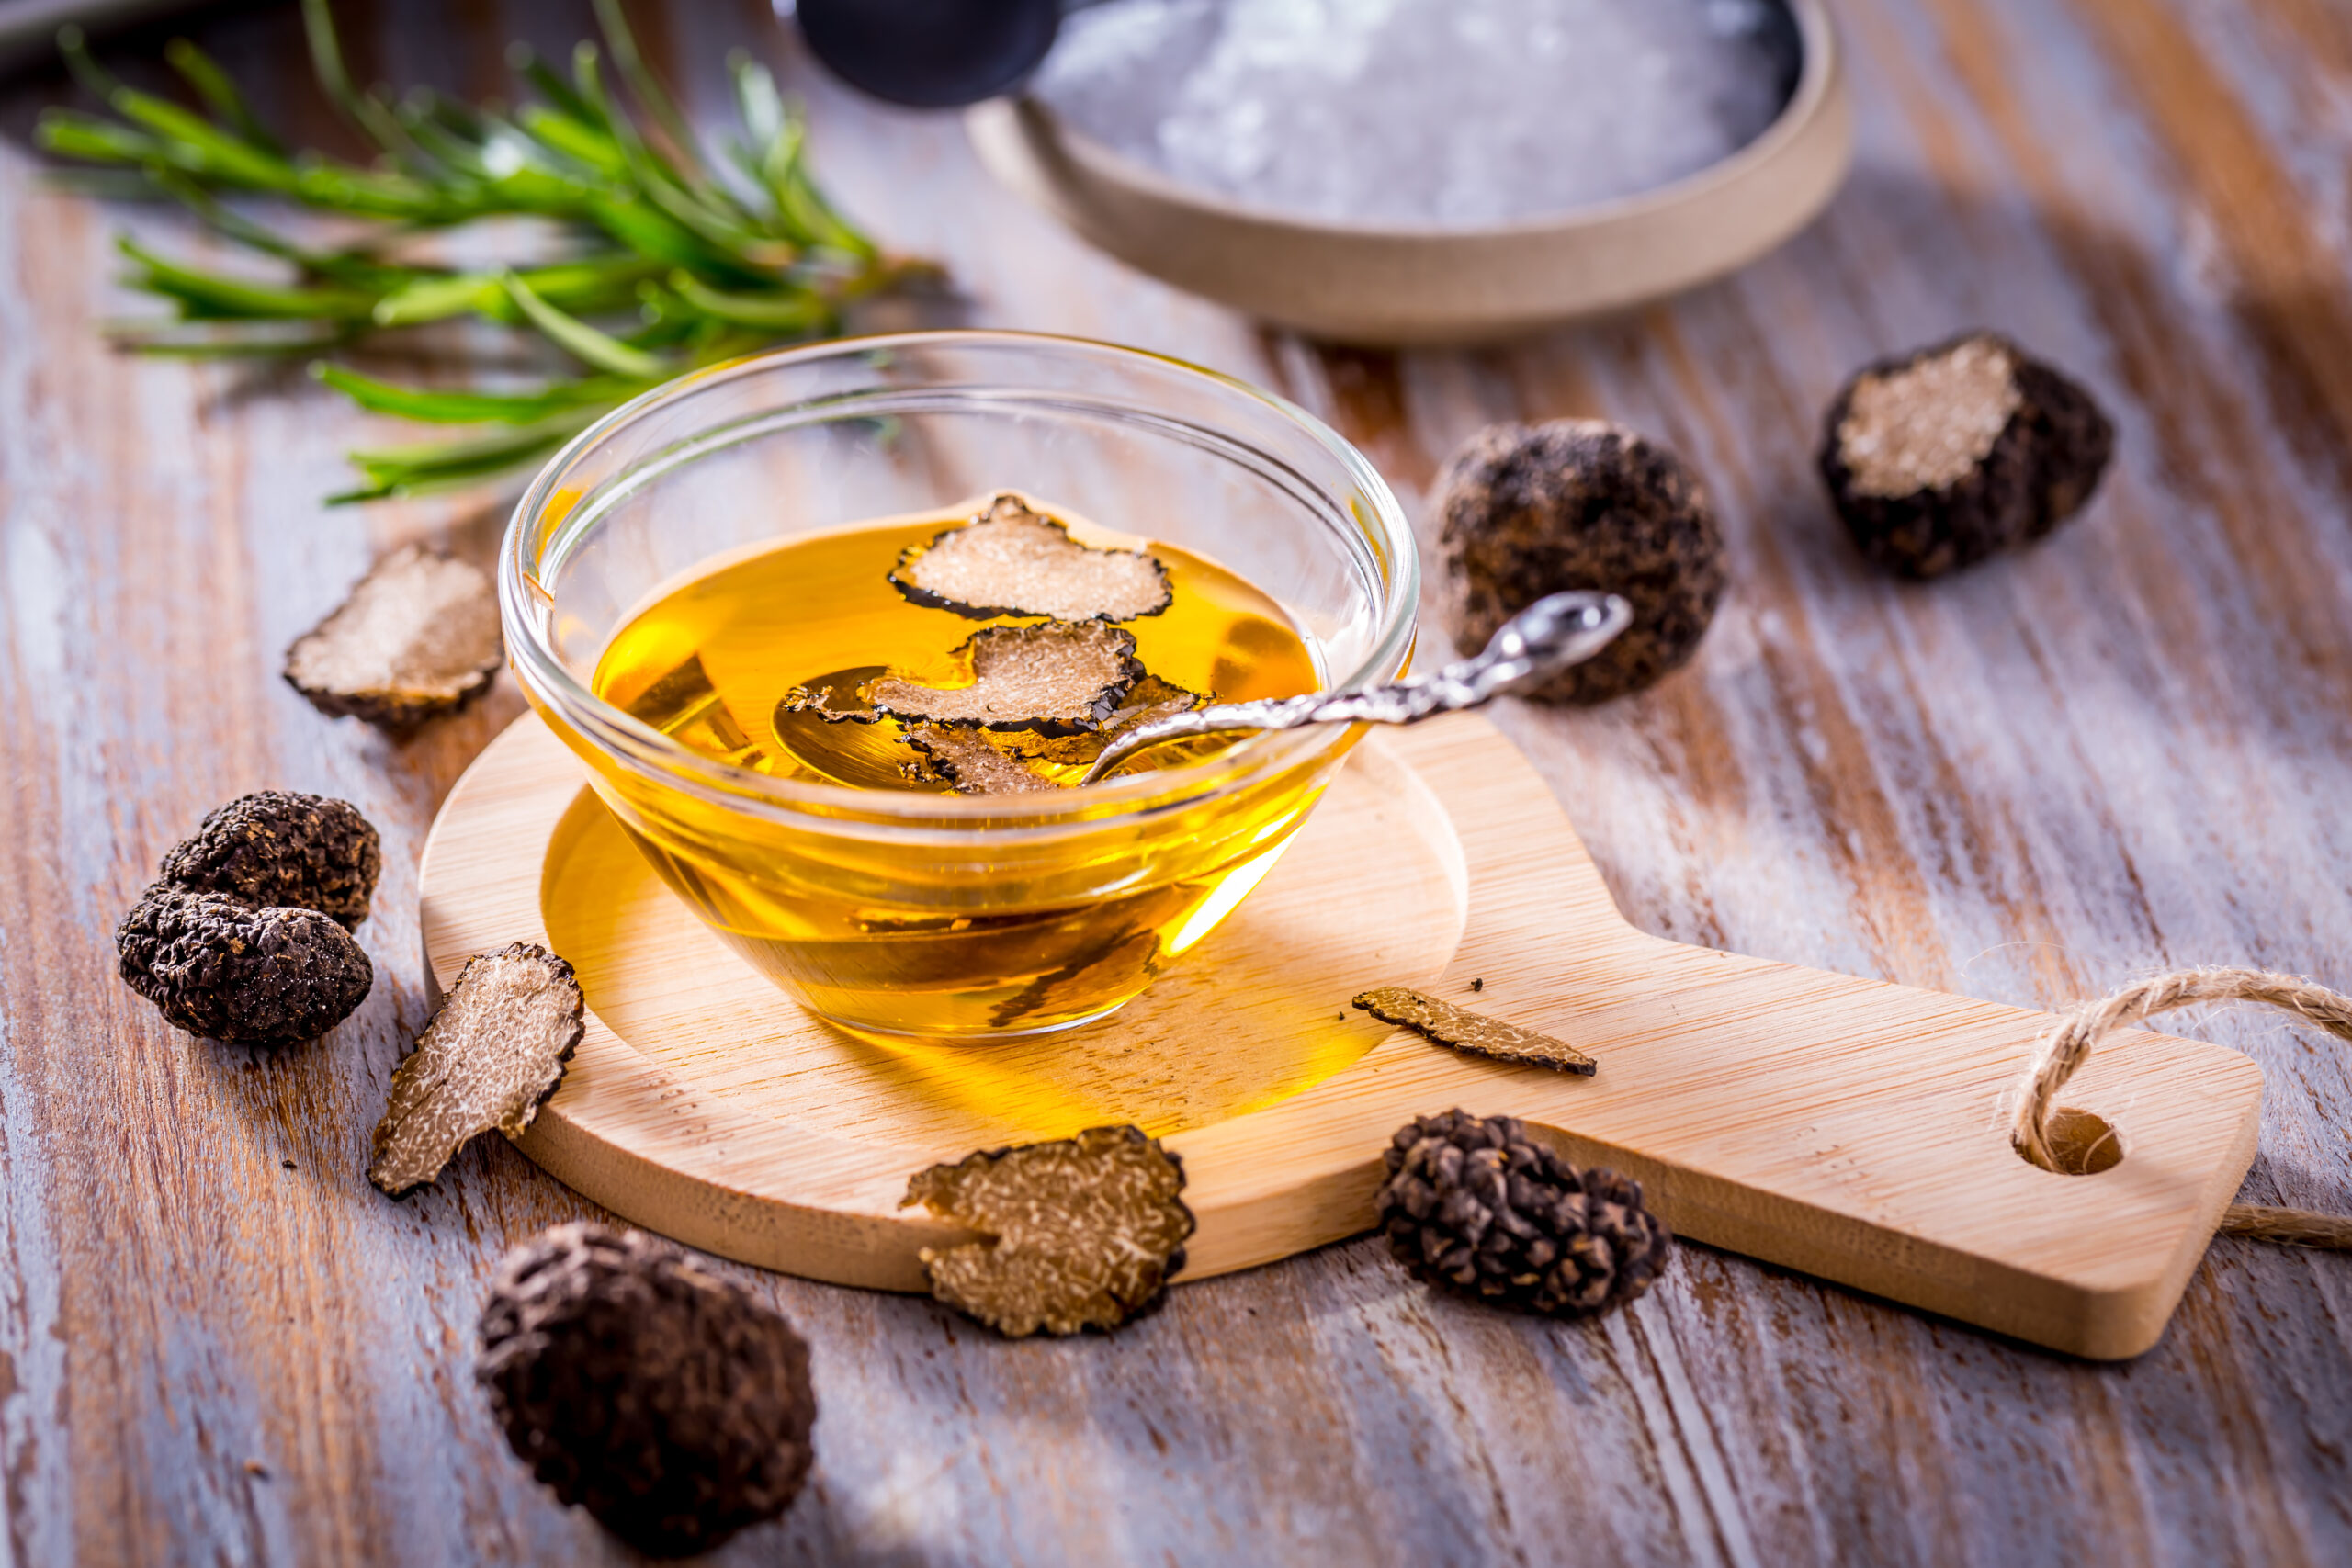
{"x": 1082, "y": 1233}
{"x": 664, "y": 1399}
{"x": 973, "y": 764}
{"x": 278, "y": 847}
{"x": 1472, "y": 1032}
{"x": 492, "y": 1053}
{"x": 1580, "y": 503}
{"x": 226, "y": 969}
{"x": 1012, "y": 560}
{"x": 417, "y": 637}
{"x": 1056, "y": 677}
{"x": 1938, "y": 459}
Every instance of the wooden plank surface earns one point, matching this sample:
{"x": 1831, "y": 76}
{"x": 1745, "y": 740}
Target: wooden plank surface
{"x": 2130, "y": 748}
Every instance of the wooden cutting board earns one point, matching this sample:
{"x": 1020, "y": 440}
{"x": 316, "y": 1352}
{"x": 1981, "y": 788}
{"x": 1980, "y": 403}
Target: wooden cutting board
{"x": 1845, "y": 1127}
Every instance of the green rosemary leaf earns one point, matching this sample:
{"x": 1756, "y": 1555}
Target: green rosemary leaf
{"x": 70, "y": 133}
{"x": 416, "y": 469}
{"x": 220, "y": 93}
{"x": 584, "y": 343}
{"x": 433, "y": 407}
{"x": 204, "y": 296}
{"x": 798, "y": 311}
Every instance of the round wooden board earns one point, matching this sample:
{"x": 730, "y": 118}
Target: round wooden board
{"x": 1842, "y": 1126}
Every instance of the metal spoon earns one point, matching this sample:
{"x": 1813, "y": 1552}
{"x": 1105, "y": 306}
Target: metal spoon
{"x": 1543, "y": 639}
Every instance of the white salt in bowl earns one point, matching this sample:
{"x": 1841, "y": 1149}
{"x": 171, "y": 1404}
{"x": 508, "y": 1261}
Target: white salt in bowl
{"x": 1390, "y": 284}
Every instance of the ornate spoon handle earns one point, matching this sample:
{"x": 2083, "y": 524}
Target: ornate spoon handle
{"x": 1543, "y": 639}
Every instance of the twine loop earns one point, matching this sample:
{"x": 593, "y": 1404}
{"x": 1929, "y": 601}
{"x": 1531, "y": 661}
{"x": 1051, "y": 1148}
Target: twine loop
{"x": 2066, "y": 1048}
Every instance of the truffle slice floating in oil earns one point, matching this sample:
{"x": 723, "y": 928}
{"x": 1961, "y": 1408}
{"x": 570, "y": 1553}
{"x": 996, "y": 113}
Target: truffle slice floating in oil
{"x": 417, "y": 637}
{"x": 1012, "y": 561}
{"x": 1147, "y": 700}
{"x": 224, "y": 968}
{"x": 1057, "y": 678}
{"x": 494, "y": 1052}
{"x": 1082, "y": 1233}
{"x": 1473, "y": 1031}
{"x": 278, "y": 847}
{"x": 973, "y": 764}
{"x": 1938, "y": 459}
{"x": 666, "y": 1400}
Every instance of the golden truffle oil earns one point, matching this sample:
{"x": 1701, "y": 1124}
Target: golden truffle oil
{"x": 985, "y": 650}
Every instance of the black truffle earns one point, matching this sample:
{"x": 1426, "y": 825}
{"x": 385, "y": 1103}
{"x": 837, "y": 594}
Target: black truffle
{"x": 1580, "y": 503}
{"x": 417, "y": 637}
{"x": 276, "y": 847}
{"x": 1938, "y": 458}
{"x": 666, "y": 1401}
{"x": 1472, "y": 1203}
{"x": 227, "y": 969}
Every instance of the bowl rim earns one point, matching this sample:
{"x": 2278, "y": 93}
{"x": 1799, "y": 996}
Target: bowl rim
{"x": 532, "y": 535}
{"x": 1816, "y": 79}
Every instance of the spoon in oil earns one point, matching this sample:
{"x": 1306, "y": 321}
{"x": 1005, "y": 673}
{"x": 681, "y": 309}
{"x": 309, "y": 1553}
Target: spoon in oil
{"x": 1550, "y": 635}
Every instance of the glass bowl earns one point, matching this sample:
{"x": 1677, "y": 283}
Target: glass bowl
{"x": 936, "y": 915}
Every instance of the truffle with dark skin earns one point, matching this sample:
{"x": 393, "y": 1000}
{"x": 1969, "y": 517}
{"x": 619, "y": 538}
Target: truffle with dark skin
{"x": 1940, "y": 458}
{"x": 667, "y": 1401}
{"x": 226, "y": 969}
{"x": 278, "y": 847}
{"x": 1580, "y": 503}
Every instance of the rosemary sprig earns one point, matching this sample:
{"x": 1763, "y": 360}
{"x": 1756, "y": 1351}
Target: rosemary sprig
{"x": 669, "y": 261}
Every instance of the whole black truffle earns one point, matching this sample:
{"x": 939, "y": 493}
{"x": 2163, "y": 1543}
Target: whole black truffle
{"x": 664, "y": 1399}
{"x": 226, "y": 969}
{"x": 276, "y": 847}
{"x": 1939, "y": 458}
{"x": 1474, "y": 1203}
{"x": 1529, "y": 510}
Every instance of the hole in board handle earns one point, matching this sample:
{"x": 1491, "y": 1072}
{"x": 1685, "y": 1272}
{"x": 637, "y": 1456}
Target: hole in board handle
{"x": 2081, "y": 1142}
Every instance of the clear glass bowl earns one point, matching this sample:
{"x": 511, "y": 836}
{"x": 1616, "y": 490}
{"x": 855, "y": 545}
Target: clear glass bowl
{"x": 942, "y": 915}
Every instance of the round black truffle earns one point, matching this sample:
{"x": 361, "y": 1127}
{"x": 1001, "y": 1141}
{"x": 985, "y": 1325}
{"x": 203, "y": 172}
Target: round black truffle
{"x": 1529, "y": 510}
{"x": 276, "y": 847}
{"x": 1472, "y": 1203}
{"x": 221, "y": 967}
{"x": 1939, "y": 458}
{"x": 661, "y": 1398}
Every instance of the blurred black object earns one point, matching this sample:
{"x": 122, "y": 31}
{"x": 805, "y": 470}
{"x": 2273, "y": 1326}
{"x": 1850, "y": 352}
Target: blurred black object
{"x": 932, "y": 54}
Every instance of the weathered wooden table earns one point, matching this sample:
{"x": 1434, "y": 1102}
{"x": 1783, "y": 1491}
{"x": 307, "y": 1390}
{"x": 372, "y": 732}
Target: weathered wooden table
{"x": 2130, "y": 748}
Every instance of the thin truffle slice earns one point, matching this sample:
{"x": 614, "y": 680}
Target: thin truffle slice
{"x": 1473, "y": 1031}
{"x": 1148, "y": 700}
{"x": 1012, "y": 560}
{"x": 492, "y": 1053}
{"x": 837, "y": 698}
{"x": 226, "y": 969}
{"x": 973, "y": 764}
{"x": 667, "y": 1401}
{"x": 1938, "y": 459}
{"x": 418, "y": 638}
{"x": 278, "y": 847}
{"x": 1056, "y": 677}
{"x": 1082, "y": 1233}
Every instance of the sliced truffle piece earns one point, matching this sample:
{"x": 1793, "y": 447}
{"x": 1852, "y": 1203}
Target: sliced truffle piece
{"x": 276, "y": 847}
{"x": 1938, "y": 459}
{"x": 1580, "y": 503}
{"x": 226, "y": 969}
{"x": 1475, "y": 1203}
{"x": 1082, "y": 1233}
{"x": 1056, "y": 677}
{"x": 494, "y": 1051}
{"x": 973, "y": 764}
{"x": 1150, "y": 699}
{"x": 837, "y": 698}
{"x": 417, "y": 637}
{"x": 669, "y": 1402}
{"x": 1473, "y": 1031}
{"x": 1012, "y": 560}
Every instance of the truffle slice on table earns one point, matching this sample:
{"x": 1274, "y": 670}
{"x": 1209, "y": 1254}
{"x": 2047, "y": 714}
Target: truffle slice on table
{"x": 1056, "y": 677}
{"x": 225, "y": 968}
{"x": 1082, "y": 1233}
{"x": 494, "y": 1053}
{"x": 1012, "y": 560}
{"x": 973, "y": 764}
{"x": 1474, "y": 1203}
{"x": 666, "y": 1400}
{"x": 418, "y": 638}
{"x": 278, "y": 847}
{"x": 1472, "y": 1032}
{"x": 1580, "y": 503}
{"x": 1938, "y": 459}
